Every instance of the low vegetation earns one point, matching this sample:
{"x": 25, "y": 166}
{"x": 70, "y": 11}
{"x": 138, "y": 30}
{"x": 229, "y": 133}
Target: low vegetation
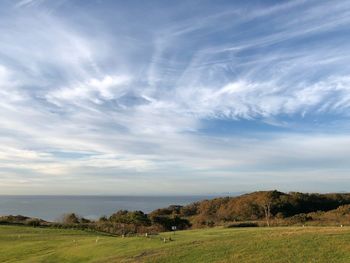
{"x": 264, "y": 208}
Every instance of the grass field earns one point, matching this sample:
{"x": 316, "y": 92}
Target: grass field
{"x": 287, "y": 244}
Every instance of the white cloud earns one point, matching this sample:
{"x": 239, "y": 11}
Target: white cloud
{"x": 24, "y": 3}
{"x": 8, "y": 84}
{"x": 79, "y": 99}
{"x": 95, "y": 90}
{"x": 249, "y": 100}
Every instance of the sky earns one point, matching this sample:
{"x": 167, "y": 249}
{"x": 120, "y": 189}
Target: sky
{"x": 174, "y": 97}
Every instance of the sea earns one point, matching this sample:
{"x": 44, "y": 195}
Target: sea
{"x": 52, "y": 208}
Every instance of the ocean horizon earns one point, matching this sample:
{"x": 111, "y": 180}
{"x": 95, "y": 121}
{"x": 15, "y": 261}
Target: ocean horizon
{"x": 52, "y": 207}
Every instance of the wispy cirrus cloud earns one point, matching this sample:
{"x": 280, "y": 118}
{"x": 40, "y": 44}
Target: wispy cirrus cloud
{"x": 219, "y": 97}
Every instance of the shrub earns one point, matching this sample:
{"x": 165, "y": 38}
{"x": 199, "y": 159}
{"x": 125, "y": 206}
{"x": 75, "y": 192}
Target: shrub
{"x": 243, "y": 224}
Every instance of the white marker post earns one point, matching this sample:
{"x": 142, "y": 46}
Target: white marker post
{"x": 174, "y": 229}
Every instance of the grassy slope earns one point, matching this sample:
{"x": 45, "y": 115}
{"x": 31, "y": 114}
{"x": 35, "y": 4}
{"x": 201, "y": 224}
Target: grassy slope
{"x": 289, "y": 244}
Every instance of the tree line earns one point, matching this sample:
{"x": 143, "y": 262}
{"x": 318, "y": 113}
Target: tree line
{"x": 257, "y": 208}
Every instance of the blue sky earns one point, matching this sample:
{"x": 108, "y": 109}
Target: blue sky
{"x": 174, "y": 97}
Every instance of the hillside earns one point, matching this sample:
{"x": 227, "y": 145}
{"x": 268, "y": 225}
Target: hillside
{"x": 280, "y": 244}
{"x": 264, "y": 208}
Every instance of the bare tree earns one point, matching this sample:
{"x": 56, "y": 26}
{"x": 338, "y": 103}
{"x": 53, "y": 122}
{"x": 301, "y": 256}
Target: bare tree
{"x": 265, "y": 201}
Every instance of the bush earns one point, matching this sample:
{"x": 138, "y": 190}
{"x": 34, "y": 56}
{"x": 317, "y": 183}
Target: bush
{"x": 130, "y": 217}
{"x": 243, "y": 224}
{"x": 33, "y": 222}
{"x": 167, "y": 222}
{"x": 297, "y": 219}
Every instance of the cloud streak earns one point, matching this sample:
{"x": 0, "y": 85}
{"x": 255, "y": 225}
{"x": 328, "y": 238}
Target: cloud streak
{"x": 87, "y": 95}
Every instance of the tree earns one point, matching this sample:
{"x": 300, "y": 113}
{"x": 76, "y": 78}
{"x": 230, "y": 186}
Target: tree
{"x": 70, "y": 219}
{"x": 265, "y": 201}
{"x": 130, "y": 217}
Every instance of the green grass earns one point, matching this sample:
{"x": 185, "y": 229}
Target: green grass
{"x": 283, "y": 244}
